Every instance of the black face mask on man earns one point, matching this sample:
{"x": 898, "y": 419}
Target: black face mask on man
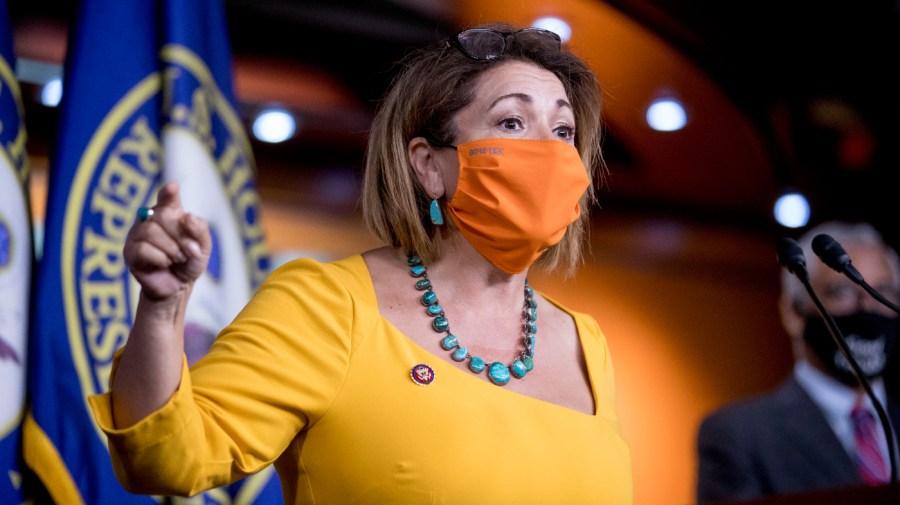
{"x": 870, "y": 337}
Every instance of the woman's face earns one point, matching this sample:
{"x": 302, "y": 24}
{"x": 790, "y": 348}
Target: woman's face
{"x": 513, "y": 100}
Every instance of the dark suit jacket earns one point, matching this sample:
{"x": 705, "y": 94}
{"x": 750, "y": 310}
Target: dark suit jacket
{"x": 773, "y": 444}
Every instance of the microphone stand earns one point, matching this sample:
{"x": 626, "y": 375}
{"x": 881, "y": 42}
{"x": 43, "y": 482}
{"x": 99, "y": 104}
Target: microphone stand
{"x": 860, "y": 376}
{"x": 855, "y": 276}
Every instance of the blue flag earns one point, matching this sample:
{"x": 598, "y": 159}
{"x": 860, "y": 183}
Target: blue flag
{"x": 16, "y": 258}
{"x": 147, "y": 98}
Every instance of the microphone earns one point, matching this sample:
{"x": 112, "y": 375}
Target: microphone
{"x": 832, "y": 254}
{"x": 791, "y": 257}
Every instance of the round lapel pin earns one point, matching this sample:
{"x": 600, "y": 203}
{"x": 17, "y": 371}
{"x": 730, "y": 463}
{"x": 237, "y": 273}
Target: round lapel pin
{"x": 422, "y": 374}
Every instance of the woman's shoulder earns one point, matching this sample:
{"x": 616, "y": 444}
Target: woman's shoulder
{"x": 311, "y": 274}
{"x": 302, "y": 265}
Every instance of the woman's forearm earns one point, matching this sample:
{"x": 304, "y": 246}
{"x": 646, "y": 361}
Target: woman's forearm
{"x": 149, "y": 368}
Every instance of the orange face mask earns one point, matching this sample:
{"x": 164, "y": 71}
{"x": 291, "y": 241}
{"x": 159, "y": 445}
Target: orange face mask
{"x": 515, "y": 197}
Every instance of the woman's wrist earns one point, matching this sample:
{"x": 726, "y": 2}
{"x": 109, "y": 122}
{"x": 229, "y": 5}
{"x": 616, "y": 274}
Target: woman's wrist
{"x": 167, "y": 307}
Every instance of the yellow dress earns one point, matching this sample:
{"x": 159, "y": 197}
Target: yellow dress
{"x": 311, "y": 378}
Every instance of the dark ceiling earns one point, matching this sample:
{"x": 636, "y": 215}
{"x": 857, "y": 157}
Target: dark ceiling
{"x": 818, "y": 79}
{"x": 815, "y": 80}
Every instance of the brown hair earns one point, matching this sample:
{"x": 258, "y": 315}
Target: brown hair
{"x": 432, "y": 85}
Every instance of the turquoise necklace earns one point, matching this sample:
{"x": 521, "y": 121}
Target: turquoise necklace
{"x": 497, "y": 372}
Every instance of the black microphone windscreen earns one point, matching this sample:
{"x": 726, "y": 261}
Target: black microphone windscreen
{"x": 830, "y": 252}
{"x": 790, "y": 255}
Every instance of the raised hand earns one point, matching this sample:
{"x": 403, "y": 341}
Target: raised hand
{"x": 168, "y": 251}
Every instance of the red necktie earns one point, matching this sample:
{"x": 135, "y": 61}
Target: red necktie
{"x": 871, "y": 464}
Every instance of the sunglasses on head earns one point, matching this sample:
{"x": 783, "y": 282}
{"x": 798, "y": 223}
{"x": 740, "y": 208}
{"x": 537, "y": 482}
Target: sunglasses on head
{"x": 487, "y": 44}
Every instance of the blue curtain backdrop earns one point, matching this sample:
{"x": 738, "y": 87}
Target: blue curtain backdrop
{"x": 147, "y": 98}
{"x": 16, "y": 262}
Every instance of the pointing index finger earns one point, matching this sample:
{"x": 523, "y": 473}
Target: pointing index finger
{"x": 168, "y": 196}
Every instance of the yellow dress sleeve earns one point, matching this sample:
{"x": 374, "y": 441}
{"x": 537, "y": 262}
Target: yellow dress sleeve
{"x": 269, "y": 374}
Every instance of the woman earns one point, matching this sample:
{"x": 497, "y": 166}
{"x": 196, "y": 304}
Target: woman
{"x": 349, "y": 375}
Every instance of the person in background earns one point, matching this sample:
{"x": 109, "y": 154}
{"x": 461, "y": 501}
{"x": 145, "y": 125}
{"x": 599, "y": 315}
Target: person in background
{"x": 818, "y": 430}
{"x": 425, "y": 371}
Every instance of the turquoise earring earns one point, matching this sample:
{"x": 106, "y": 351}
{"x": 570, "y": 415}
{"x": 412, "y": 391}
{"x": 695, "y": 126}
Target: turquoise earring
{"x": 437, "y": 218}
